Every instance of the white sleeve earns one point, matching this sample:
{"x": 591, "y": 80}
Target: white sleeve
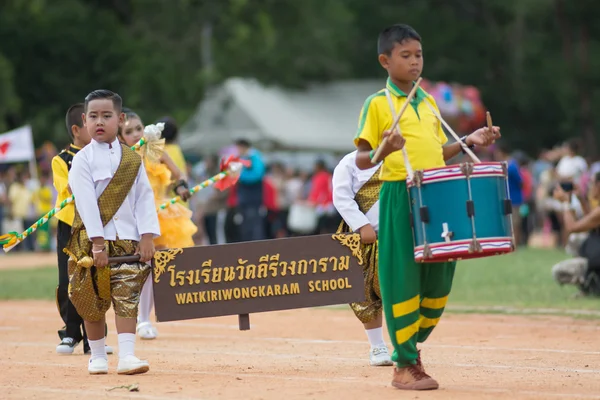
{"x": 82, "y": 186}
{"x": 343, "y": 197}
{"x": 145, "y": 210}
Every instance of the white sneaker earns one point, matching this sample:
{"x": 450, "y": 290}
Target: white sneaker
{"x": 146, "y": 331}
{"x": 132, "y": 365}
{"x": 380, "y": 357}
{"x": 98, "y": 366}
{"x": 67, "y": 346}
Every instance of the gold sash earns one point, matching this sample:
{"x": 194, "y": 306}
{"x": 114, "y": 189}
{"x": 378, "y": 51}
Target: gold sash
{"x": 109, "y": 203}
{"x": 366, "y": 197}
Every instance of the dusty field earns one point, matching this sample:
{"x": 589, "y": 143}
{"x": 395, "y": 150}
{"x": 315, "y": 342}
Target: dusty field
{"x": 306, "y": 354}
{"x": 13, "y": 259}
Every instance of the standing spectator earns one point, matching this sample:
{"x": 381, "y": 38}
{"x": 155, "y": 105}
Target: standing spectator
{"x": 294, "y": 193}
{"x": 539, "y": 166}
{"x": 233, "y": 217}
{"x": 43, "y": 202}
{"x": 321, "y": 196}
{"x": 278, "y": 178}
{"x": 571, "y": 166}
{"x": 515, "y": 187}
{"x": 20, "y": 199}
{"x": 250, "y": 193}
{"x": 215, "y": 202}
{"x": 271, "y": 206}
{"x": 527, "y": 210}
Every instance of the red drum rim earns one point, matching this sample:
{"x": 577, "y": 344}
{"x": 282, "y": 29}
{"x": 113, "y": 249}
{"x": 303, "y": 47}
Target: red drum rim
{"x": 455, "y": 171}
{"x": 459, "y": 249}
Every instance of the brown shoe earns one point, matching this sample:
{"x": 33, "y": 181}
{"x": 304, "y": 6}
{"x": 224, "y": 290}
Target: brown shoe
{"x": 413, "y": 378}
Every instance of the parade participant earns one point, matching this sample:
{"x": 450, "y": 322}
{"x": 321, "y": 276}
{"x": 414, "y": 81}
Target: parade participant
{"x": 74, "y": 330}
{"x": 414, "y": 295}
{"x": 356, "y": 198}
{"x": 176, "y": 226}
{"x": 115, "y": 215}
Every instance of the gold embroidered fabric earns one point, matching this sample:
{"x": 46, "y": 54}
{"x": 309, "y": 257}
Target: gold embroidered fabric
{"x": 97, "y": 281}
{"x": 368, "y": 310}
{"x": 368, "y": 194}
{"x": 124, "y": 283}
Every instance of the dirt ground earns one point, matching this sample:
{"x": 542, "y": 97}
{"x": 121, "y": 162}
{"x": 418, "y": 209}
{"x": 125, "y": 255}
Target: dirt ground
{"x": 305, "y": 354}
{"x": 14, "y": 260}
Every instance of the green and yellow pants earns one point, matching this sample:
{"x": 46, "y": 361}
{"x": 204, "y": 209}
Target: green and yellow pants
{"x": 413, "y": 294}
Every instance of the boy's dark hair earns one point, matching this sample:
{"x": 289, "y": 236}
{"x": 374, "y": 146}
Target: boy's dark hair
{"x": 397, "y": 33}
{"x": 103, "y": 94}
{"x": 170, "y": 130}
{"x": 73, "y": 117}
{"x": 243, "y": 143}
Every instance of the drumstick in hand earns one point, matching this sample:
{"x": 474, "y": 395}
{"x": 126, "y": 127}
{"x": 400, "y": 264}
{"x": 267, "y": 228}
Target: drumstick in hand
{"x": 488, "y": 117}
{"x": 377, "y": 155}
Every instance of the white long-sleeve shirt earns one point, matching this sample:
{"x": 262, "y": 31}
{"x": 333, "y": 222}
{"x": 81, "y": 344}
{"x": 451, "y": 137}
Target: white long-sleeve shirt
{"x": 91, "y": 171}
{"x": 347, "y": 181}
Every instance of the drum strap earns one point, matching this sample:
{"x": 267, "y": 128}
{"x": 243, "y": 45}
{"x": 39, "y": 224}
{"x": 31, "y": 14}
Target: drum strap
{"x": 409, "y": 170}
{"x": 368, "y": 194}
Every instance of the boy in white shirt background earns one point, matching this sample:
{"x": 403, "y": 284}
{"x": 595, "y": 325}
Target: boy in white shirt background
{"x": 115, "y": 216}
{"x": 356, "y": 198}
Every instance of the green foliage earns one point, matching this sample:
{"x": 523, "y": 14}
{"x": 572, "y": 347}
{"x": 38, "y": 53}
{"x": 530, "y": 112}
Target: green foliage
{"x": 536, "y": 62}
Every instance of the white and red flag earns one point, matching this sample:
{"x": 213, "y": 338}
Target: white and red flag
{"x": 17, "y": 145}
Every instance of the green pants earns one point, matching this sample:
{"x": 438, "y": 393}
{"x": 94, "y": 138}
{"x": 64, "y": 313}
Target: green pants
{"x": 414, "y": 295}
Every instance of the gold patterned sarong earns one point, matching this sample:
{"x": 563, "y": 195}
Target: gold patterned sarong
{"x": 91, "y": 289}
{"x": 366, "y": 311}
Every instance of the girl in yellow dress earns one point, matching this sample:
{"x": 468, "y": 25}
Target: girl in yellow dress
{"x": 176, "y": 226}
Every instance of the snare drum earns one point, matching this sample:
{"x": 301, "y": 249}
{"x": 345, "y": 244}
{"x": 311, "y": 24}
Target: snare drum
{"x": 461, "y": 211}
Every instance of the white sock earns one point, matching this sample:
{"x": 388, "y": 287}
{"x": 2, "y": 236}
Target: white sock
{"x": 126, "y": 344}
{"x": 375, "y": 337}
{"x": 98, "y": 348}
{"x": 146, "y": 301}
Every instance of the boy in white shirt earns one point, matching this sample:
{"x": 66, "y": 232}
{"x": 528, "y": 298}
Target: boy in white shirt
{"x": 115, "y": 216}
{"x": 356, "y": 198}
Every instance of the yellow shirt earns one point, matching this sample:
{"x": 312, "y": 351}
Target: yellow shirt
{"x": 20, "y": 199}
{"x": 419, "y": 126}
{"x": 43, "y": 199}
{"x": 61, "y": 164}
{"x": 174, "y": 151}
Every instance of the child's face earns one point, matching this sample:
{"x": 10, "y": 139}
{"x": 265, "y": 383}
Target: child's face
{"x": 133, "y": 132}
{"x": 102, "y": 120}
{"x": 405, "y": 63}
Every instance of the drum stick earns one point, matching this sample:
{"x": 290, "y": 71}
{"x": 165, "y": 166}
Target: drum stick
{"x": 488, "y": 117}
{"x": 454, "y": 135}
{"x": 88, "y": 262}
{"x": 377, "y": 155}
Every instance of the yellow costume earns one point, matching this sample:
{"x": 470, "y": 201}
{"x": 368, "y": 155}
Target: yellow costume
{"x": 176, "y": 226}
